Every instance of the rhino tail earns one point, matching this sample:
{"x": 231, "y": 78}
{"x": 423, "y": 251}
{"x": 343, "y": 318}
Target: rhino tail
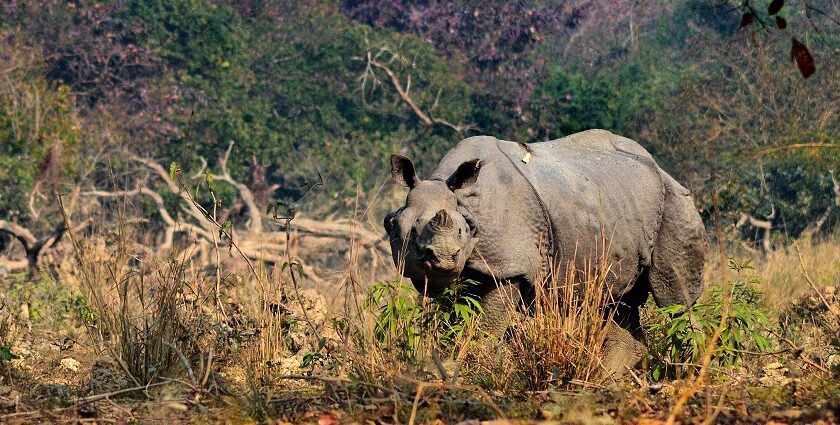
{"x": 676, "y": 270}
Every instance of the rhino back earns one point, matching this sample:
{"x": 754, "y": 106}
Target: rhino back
{"x": 604, "y": 195}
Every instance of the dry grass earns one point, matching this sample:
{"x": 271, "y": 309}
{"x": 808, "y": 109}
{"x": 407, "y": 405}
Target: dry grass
{"x": 780, "y": 272}
{"x": 563, "y": 341}
{"x": 153, "y": 318}
{"x": 560, "y": 343}
{"x": 236, "y": 339}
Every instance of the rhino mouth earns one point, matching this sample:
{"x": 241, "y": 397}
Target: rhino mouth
{"x": 432, "y": 279}
{"x": 440, "y": 263}
{"x": 439, "y": 269}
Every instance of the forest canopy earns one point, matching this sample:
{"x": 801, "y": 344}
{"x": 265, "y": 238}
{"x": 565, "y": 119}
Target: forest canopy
{"x": 330, "y": 90}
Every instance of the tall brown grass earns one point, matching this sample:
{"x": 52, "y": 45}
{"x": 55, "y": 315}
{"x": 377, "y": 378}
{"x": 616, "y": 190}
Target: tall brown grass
{"x": 408, "y": 347}
{"x": 780, "y": 271}
{"x": 157, "y": 319}
{"x": 152, "y": 317}
{"x": 563, "y": 341}
{"x": 161, "y": 317}
{"x": 558, "y": 342}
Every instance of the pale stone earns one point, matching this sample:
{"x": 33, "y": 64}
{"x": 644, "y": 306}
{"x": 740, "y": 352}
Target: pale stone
{"x": 70, "y": 364}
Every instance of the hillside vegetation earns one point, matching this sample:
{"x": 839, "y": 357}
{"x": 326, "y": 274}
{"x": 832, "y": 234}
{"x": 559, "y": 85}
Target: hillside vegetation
{"x": 192, "y": 192}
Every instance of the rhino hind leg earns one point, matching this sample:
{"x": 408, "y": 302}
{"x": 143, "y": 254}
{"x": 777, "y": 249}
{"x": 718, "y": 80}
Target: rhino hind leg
{"x": 622, "y": 350}
{"x": 676, "y": 271}
{"x": 624, "y": 345}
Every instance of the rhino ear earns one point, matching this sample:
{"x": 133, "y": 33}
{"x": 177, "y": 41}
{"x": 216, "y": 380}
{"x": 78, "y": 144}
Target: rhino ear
{"x": 402, "y": 170}
{"x": 465, "y": 175}
{"x": 471, "y": 223}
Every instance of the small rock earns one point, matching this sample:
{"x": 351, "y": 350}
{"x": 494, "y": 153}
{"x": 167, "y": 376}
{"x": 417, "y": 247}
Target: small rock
{"x": 789, "y": 414}
{"x": 665, "y": 389}
{"x": 23, "y": 315}
{"x": 57, "y": 393}
{"x": 106, "y": 377}
{"x": 11, "y": 400}
{"x": 70, "y": 364}
{"x": 833, "y": 361}
{"x": 775, "y": 374}
{"x": 174, "y": 405}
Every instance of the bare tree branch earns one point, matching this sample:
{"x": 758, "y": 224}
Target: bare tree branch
{"x": 767, "y": 225}
{"x": 817, "y": 225}
{"x": 34, "y": 247}
{"x": 13, "y": 265}
{"x": 156, "y": 197}
{"x": 253, "y": 242}
{"x": 254, "y": 217}
{"x": 19, "y": 232}
{"x": 403, "y": 90}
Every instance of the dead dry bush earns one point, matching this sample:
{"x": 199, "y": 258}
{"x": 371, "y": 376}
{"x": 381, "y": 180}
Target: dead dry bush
{"x": 154, "y": 318}
{"x": 563, "y": 342}
{"x": 229, "y": 325}
{"x": 809, "y": 323}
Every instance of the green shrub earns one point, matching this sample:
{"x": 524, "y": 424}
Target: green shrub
{"x": 413, "y": 328}
{"x": 40, "y": 132}
{"x": 681, "y": 335}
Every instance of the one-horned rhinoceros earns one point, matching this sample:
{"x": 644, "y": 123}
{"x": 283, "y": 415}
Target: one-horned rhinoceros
{"x": 501, "y": 212}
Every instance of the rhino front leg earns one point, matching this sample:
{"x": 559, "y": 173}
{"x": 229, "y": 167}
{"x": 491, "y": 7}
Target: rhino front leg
{"x": 501, "y": 307}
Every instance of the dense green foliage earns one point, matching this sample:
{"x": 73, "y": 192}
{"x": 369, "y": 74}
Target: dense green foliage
{"x": 291, "y": 98}
{"x": 39, "y": 129}
{"x": 681, "y": 339}
{"x": 406, "y": 326}
{"x": 295, "y": 87}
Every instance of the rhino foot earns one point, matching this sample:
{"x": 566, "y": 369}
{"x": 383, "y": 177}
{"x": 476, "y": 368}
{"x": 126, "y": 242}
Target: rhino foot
{"x": 622, "y": 351}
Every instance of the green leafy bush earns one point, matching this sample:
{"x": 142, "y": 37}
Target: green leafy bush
{"x": 40, "y": 132}
{"x": 412, "y": 327}
{"x": 680, "y": 337}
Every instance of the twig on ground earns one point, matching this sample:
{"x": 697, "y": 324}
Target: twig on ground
{"x": 635, "y": 377}
{"x": 416, "y": 404}
{"x": 337, "y": 380}
{"x": 85, "y": 400}
{"x": 768, "y": 353}
{"x": 718, "y": 408}
{"x": 800, "y": 352}
{"x": 402, "y": 396}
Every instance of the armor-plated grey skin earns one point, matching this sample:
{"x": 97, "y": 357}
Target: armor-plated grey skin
{"x": 503, "y": 212}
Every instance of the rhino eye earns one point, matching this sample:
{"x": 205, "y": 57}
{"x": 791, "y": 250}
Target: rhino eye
{"x": 460, "y": 231}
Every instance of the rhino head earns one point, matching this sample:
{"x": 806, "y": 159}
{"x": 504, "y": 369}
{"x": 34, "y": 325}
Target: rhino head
{"x": 430, "y": 239}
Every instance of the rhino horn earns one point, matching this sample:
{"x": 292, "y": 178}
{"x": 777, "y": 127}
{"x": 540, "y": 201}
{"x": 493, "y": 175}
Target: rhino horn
{"x": 442, "y": 221}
